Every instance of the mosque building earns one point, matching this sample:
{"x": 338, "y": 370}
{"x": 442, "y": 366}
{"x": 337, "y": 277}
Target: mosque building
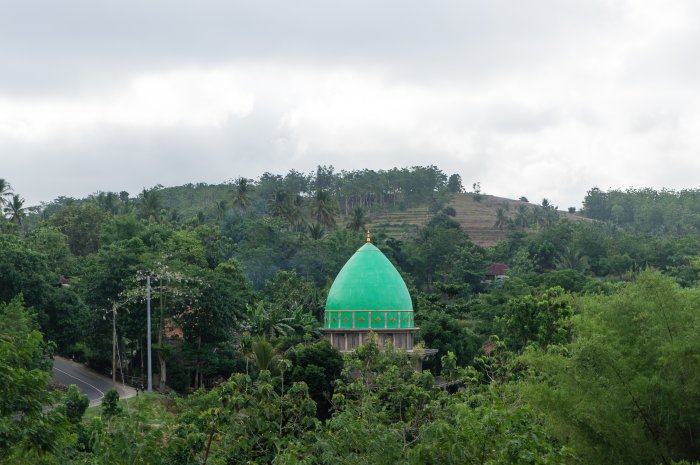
{"x": 369, "y": 295}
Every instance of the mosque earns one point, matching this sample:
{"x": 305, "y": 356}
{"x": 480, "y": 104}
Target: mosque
{"x": 369, "y": 295}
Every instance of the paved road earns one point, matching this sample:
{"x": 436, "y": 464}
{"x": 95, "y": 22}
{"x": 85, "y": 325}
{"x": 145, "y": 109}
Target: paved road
{"x": 90, "y": 383}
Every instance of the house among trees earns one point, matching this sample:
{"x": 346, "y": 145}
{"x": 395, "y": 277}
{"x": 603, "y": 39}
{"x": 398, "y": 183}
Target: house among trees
{"x": 497, "y": 272}
{"x": 369, "y": 296}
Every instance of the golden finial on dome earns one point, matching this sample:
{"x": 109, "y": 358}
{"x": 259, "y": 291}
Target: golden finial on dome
{"x": 369, "y": 237}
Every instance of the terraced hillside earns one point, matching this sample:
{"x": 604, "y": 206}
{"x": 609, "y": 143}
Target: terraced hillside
{"x": 478, "y": 219}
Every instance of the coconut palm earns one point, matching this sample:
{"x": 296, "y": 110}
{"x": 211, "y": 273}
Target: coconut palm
{"x": 551, "y": 216}
{"x": 264, "y": 354}
{"x": 522, "y": 217}
{"x": 241, "y": 194}
{"x": 316, "y": 232}
{"x": 294, "y": 214}
{"x": 501, "y": 218}
{"x": 221, "y": 207}
{"x": 570, "y": 258}
{"x": 5, "y": 192}
{"x": 550, "y": 213}
{"x": 15, "y": 209}
{"x": 358, "y": 220}
{"x": 538, "y": 216}
{"x": 324, "y": 208}
{"x": 149, "y": 204}
{"x": 262, "y": 320}
{"x": 279, "y": 203}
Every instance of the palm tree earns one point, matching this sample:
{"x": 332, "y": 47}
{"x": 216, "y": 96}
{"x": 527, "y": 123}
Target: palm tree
{"x": 5, "y": 191}
{"x": 301, "y": 321}
{"x": 570, "y": 258}
{"x": 324, "y": 208}
{"x": 241, "y": 194}
{"x": 15, "y": 209}
{"x": 501, "y": 218}
{"x": 551, "y": 215}
{"x": 264, "y": 354}
{"x": 149, "y": 205}
{"x": 316, "y": 232}
{"x": 538, "y": 216}
{"x": 221, "y": 207}
{"x": 107, "y": 201}
{"x": 358, "y": 220}
{"x": 266, "y": 321}
{"x": 522, "y": 217}
{"x": 280, "y": 203}
{"x": 295, "y": 215}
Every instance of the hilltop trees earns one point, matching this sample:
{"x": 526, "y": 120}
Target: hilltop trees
{"x": 646, "y": 210}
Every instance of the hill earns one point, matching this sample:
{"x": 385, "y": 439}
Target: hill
{"x": 477, "y": 217}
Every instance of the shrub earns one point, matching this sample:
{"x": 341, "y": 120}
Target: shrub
{"x": 110, "y": 403}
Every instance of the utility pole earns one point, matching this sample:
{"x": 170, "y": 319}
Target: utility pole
{"x": 148, "y": 332}
{"x": 114, "y": 345}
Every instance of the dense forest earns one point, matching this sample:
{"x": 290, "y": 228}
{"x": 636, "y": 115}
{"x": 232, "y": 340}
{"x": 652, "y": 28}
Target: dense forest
{"x": 587, "y": 352}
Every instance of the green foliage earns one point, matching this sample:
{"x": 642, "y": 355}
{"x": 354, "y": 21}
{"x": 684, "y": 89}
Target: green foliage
{"x": 264, "y": 355}
{"x": 249, "y": 423}
{"x": 287, "y": 289}
{"x": 30, "y": 432}
{"x": 241, "y": 192}
{"x": 358, "y": 220}
{"x": 428, "y": 254}
{"x": 487, "y": 427}
{"x": 110, "y": 404}
{"x": 626, "y": 389}
{"x": 541, "y": 320}
{"x": 75, "y": 404}
{"x": 51, "y": 242}
{"x": 81, "y": 224}
{"x": 439, "y": 330}
{"x": 60, "y": 312}
{"x": 14, "y": 210}
{"x": 318, "y": 365}
{"x": 236, "y": 274}
{"x": 454, "y": 184}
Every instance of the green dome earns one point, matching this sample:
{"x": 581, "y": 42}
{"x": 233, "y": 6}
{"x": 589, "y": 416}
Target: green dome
{"x": 368, "y": 281}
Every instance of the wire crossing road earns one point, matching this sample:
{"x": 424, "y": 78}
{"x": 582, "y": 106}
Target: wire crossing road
{"x": 90, "y": 383}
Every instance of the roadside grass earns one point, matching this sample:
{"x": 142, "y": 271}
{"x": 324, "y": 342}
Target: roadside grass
{"x": 154, "y": 406}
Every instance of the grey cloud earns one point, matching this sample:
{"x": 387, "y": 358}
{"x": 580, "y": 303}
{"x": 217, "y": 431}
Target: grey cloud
{"x": 75, "y": 43}
{"x": 492, "y": 52}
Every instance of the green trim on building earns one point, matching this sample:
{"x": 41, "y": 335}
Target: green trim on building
{"x": 361, "y": 319}
{"x": 376, "y": 319}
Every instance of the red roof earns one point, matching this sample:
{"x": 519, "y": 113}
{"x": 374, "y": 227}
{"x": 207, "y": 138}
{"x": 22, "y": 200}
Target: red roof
{"x": 496, "y": 269}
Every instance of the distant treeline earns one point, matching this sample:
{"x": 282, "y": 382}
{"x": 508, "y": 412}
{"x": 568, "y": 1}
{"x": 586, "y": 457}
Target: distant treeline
{"x": 646, "y": 210}
{"x": 396, "y": 188}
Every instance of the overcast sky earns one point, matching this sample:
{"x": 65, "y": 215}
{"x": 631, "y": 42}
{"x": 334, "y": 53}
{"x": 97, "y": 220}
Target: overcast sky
{"x": 542, "y": 98}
